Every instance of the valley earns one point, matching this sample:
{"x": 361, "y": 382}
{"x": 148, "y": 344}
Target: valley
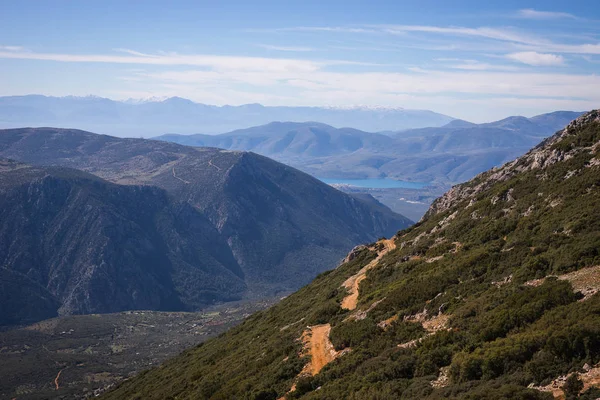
{"x": 81, "y": 356}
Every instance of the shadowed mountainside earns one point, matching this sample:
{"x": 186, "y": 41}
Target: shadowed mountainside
{"x": 253, "y": 226}
{"x": 72, "y": 243}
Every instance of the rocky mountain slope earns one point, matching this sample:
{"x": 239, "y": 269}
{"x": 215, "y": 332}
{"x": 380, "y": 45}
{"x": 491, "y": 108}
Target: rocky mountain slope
{"x": 494, "y": 294}
{"x": 71, "y": 243}
{"x": 156, "y": 117}
{"x": 195, "y": 225}
{"x": 448, "y": 154}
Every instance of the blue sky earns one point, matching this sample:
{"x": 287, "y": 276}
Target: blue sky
{"x": 473, "y": 59}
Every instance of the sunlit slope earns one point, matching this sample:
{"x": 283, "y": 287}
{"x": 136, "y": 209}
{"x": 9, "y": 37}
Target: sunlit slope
{"x": 477, "y": 301}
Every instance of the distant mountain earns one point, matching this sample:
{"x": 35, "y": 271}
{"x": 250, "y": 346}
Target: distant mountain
{"x": 494, "y": 294}
{"x": 193, "y": 226}
{"x": 533, "y": 127}
{"x": 155, "y": 117}
{"x": 290, "y": 139}
{"x": 452, "y": 153}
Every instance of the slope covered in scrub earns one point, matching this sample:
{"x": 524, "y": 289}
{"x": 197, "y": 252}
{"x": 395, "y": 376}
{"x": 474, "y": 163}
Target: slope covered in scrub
{"x": 450, "y": 312}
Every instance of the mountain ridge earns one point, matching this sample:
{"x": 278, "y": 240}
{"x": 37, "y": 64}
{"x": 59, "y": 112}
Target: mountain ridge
{"x": 153, "y": 118}
{"x": 449, "y": 154}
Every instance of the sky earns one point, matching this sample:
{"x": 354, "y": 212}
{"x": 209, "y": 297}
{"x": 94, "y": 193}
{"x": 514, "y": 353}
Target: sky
{"x": 475, "y": 60}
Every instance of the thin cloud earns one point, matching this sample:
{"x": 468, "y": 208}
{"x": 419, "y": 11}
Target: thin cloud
{"x": 211, "y": 61}
{"x": 313, "y": 86}
{"x": 12, "y": 48}
{"x": 286, "y": 48}
{"x": 507, "y": 35}
{"x": 132, "y": 52}
{"x": 513, "y": 39}
{"x": 530, "y": 13}
{"x": 331, "y": 29}
{"x": 215, "y": 62}
{"x": 474, "y": 65}
{"x": 537, "y": 59}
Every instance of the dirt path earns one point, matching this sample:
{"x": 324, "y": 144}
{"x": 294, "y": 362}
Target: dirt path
{"x": 56, "y": 379}
{"x": 213, "y": 165}
{"x": 176, "y": 177}
{"x": 320, "y": 348}
{"x": 351, "y": 284}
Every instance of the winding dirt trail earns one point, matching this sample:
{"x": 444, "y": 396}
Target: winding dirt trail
{"x": 176, "y": 177}
{"x": 351, "y": 284}
{"x": 56, "y": 379}
{"x": 213, "y": 165}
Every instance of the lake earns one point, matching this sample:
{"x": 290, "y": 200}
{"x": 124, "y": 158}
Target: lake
{"x": 375, "y": 183}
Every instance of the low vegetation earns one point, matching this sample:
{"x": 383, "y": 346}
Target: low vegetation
{"x": 468, "y": 267}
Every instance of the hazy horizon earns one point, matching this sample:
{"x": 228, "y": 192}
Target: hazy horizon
{"x": 156, "y": 99}
{"x": 470, "y": 60}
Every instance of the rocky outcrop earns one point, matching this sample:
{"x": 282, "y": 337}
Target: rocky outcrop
{"x": 540, "y": 157}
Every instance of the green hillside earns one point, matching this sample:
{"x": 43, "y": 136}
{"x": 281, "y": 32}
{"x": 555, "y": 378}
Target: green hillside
{"x": 491, "y": 296}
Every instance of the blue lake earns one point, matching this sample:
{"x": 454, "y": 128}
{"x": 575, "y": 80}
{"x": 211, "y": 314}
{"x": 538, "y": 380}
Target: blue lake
{"x": 375, "y": 183}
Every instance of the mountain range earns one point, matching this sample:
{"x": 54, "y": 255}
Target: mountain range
{"x": 95, "y": 224}
{"x": 494, "y": 294}
{"x": 175, "y": 114}
{"x": 451, "y": 153}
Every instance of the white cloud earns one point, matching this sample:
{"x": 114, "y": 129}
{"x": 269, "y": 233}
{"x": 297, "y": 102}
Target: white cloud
{"x": 506, "y": 38}
{"x": 12, "y": 48}
{"x": 530, "y": 13}
{"x": 132, "y": 52}
{"x": 286, "y": 48}
{"x": 502, "y": 34}
{"x": 322, "y": 87}
{"x": 200, "y": 60}
{"x": 473, "y": 65}
{"x": 537, "y": 59}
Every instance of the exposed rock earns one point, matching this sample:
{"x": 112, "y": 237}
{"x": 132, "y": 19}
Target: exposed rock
{"x": 542, "y": 156}
{"x": 353, "y": 253}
